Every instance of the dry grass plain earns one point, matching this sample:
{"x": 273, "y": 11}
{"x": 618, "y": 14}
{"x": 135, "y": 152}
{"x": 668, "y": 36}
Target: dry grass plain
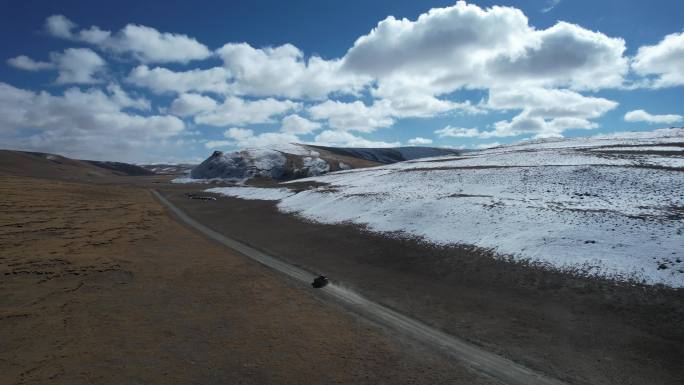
{"x": 98, "y": 285}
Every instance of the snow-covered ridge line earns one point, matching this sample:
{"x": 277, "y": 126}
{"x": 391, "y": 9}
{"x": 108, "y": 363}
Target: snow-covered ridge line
{"x": 619, "y": 215}
{"x": 293, "y": 161}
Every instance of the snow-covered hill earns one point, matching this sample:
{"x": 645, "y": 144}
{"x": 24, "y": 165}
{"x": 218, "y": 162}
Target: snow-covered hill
{"x": 611, "y": 206}
{"x": 292, "y": 161}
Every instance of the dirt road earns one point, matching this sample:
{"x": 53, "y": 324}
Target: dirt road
{"x": 493, "y": 365}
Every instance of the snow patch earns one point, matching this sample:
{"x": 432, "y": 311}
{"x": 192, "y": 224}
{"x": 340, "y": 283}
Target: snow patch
{"x": 253, "y": 193}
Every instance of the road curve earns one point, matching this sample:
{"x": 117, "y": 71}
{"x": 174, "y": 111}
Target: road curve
{"x": 486, "y": 362}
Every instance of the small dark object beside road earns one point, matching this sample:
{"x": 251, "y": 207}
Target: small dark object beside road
{"x": 319, "y": 282}
{"x": 200, "y": 197}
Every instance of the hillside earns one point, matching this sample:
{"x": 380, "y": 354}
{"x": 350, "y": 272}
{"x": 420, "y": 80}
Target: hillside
{"x": 43, "y": 165}
{"x": 293, "y": 161}
{"x": 608, "y": 206}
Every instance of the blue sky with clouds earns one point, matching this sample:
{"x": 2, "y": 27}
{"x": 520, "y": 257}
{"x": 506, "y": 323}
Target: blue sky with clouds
{"x": 174, "y": 80}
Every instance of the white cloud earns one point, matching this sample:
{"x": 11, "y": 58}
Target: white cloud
{"x": 539, "y": 126}
{"x": 151, "y": 46}
{"x": 283, "y": 71}
{"x": 162, "y": 80}
{"x": 94, "y": 35}
{"x": 145, "y": 44}
{"x": 191, "y": 104}
{"x": 24, "y": 62}
{"x": 406, "y": 104}
{"x": 643, "y": 116}
{"x": 236, "y": 111}
{"x": 418, "y": 141}
{"x": 75, "y": 65}
{"x": 549, "y": 103}
{"x": 346, "y": 139}
{"x": 295, "y": 124}
{"x": 545, "y": 112}
{"x": 664, "y": 60}
{"x": 493, "y": 47}
{"x": 216, "y": 144}
{"x": 59, "y": 26}
{"x": 238, "y": 133}
{"x": 357, "y": 116}
{"x": 459, "y": 132}
{"x": 124, "y": 100}
{"x": 354, "y": 116}
{"x": 550, "y": 5}
{"x": 563, "y": 55}
{"x": 78, "y": 65}
{"x": 83, "y": 124}
{"x": 245, "y": 138}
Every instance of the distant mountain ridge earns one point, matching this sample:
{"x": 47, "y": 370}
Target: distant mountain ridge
{"x": 391, "y": 154}
{"x": 55, "y": 166}
{"x": 293, "y": 161}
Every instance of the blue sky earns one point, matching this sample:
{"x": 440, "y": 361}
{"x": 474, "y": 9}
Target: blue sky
{"x": 174, "y": 80}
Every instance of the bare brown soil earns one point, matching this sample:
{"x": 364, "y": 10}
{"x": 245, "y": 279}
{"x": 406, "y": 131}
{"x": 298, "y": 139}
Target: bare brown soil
{"x": 582, "y": 330}
{"x": 98, "y": 285}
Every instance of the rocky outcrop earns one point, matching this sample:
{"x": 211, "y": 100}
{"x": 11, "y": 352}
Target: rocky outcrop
{"x": 293, "y": 161}
{"x": 241, "y": 165}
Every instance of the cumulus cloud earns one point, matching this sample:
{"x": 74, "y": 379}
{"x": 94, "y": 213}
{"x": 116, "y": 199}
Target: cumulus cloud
{"x": 84, "y": 124}
{"x": 24, "y": 62}
{"x": 245, "y": 138}
{"x": 238, "y": 133}
{"x": 59, "y": 26}
{"x": 148, "y": 45}
{"x": 459, "y": 132}
{"x": 643, "y": 116}
{"x": 75, "y": 65}
{"x": 357, "y": 116}
{"x": 237, "y": 111}
{"x": 283, "y": 71}
{"x": 124, "y": 100}
{"x": 564, "y": 55}
{"x": 545, "y": 112}
{"x": 354, "y": 116}
{"x": 539, "y": 126}
{"x": 78, "y": 65}
{"x": 295, "y": 124}
{"x": 347, "y": 139}
{"x": 143, "y": 43}
{"x": 216, "y": 144}
{"x": 191, "y": 104}
{"x": 549, "y": 103}
{"x": 493, "y": 47}
{"x": 664, "y": 61}
{"x": 418, "y": 141}
{"x": 162, "y": 80}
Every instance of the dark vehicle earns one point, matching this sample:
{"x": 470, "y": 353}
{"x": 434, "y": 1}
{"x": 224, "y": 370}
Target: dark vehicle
{"x": 200, "y": 197}
{"x": 319, "y": 282}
